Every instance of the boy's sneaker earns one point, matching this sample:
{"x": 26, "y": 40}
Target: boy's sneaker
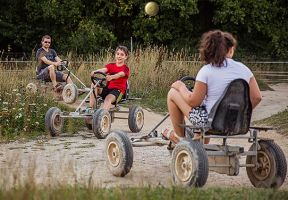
{"x": 87, "y": 110}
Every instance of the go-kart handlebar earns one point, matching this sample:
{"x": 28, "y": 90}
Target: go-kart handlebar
{"x": 64, "y": 65}
{"x": 101, "y": 81}
{"x": 187, "y": 78}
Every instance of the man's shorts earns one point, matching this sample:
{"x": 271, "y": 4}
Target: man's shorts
{"x": 44, "y": 75}
{"x": 117, "y": 93}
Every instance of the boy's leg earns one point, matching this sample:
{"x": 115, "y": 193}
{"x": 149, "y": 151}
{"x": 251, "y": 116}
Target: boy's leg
{"x": 91, "y": 97}
{"x": 112, "y": 97}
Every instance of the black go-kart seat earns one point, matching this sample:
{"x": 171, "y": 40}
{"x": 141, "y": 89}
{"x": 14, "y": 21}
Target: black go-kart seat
{"x": 231, "y": 114}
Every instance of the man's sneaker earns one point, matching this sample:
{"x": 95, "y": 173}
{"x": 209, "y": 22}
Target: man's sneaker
{"x": 58, "y": 88}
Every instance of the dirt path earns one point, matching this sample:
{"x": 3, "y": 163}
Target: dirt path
{"x": 81, "y": 159}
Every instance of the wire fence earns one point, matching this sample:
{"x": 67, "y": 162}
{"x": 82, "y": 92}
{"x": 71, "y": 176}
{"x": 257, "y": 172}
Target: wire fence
{"x": 268, "y": 71}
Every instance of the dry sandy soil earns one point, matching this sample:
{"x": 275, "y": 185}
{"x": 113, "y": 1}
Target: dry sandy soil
{"x": 80, "y": 158}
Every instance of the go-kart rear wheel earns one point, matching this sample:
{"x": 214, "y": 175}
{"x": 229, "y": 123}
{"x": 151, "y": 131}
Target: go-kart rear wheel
{"x": 101, "y": 123}
{"x": 189, "y": 164}
{"x": 70, "y": 93}
{"x": 31, "y": 88}
{"x": 135, "y": 119}
{"x": 53, "y": 121}
{"x": 119, "y": 153}
{"x": 272, "y": 165}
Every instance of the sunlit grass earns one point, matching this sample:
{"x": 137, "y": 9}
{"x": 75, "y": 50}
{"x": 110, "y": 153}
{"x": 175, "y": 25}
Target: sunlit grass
{"x": 279, "y": 121}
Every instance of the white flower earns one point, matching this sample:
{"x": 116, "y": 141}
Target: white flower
{"x": 19, "y": 115}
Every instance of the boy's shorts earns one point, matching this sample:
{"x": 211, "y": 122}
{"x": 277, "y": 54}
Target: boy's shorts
{"x": 117, "y": 93}
{"x": 44, "y": 75}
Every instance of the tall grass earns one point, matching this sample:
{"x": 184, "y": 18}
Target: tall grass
{"x": 153, "y": 70}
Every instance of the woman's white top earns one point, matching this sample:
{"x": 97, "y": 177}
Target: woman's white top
{"x": 218, "y": 78}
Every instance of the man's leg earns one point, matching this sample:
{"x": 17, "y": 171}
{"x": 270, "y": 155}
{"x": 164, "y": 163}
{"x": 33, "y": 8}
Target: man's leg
{"x": 52, "y": 74}
{"x": 68, "y": 80}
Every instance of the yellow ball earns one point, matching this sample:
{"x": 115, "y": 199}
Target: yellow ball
{"x": 151, "y": 8}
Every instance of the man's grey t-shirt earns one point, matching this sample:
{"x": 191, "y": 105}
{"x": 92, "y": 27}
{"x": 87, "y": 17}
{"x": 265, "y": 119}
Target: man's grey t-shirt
{"x": 218, "y": 78}
{"x": 50, "y": 55}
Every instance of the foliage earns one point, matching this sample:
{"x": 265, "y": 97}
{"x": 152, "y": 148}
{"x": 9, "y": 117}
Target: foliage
{"x": 256, "y": 22}
{"x": 86, "y": 26}
{"x": 20, "y": 112}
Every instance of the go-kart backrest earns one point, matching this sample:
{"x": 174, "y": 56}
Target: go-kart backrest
{"x": 231, "y": 114}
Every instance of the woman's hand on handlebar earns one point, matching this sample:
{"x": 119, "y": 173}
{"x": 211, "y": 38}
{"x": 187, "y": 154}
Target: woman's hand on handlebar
{"x": 92, "y": 73}
{"x": 177, "y": 85}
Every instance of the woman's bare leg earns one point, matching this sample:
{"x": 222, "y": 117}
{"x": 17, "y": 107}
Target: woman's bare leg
{"x": 178, "y": 108}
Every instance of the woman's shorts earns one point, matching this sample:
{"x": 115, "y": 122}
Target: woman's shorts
{"x": 198, "y": 116}
{"x": 45, "y": 76}
{"x": 117, "y": 93}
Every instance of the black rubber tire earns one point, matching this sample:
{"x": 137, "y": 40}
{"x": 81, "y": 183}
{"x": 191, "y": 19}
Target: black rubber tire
{"x": 101, "y": 123}
{"x": 70, "y": 93}
{"x": 88, "y": 123}
{"x": 53, "y": 122}
{"x": 275, "y": 163}
{"x": 195, "y": 171}
{"x": 119, "y": 153}
{"x": 135, "y": 119}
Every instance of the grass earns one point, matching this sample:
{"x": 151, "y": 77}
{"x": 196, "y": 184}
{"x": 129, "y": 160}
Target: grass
{"x": 279, "y": 120}
{"x": 146, "y": 193}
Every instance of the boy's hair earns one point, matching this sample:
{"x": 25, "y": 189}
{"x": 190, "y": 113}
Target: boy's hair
{"x": 123, "y": 48}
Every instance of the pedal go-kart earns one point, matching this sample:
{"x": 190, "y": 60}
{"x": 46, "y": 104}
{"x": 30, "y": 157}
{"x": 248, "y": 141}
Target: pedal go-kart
{"x": 99, "y": 120}
{"x": 70, "y": 91}
{"x": 191, "y": 161}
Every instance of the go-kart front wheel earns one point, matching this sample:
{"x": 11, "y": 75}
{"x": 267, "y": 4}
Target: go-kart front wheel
{"x": 189, "y": 164}
{"x": 270, "y": 167}
{"x": 119, "y": 153}
{"x": 70, "y": 93}
{"x": 135, "y": 119}
{"x": 53, "y": 121}
{"x": 101, "y": 123}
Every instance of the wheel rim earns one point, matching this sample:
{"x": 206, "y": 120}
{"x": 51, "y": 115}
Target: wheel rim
{"x": 264, "y": 166}
{"x": 57, "y": 122}
{"x": 183, "y": 166}
{"x": 105, "y": 123}
{"x": 113, "y": 154}
{"x": 139, "y": 119}
{"x": 68, "y": 93}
